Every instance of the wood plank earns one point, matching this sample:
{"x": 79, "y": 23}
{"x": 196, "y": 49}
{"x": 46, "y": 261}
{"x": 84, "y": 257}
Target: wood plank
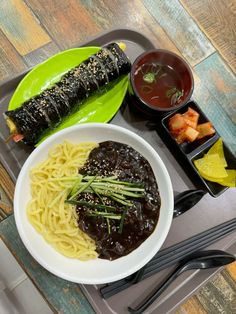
{"x": 129, "y": 14}
{"x": 218, "y": 296}
{"x": 62, "y": 295}
{"x": 231, "y": 268}
{"x": 21, "y": 27}
{"x": 6, "y": 183}
{"x": 96, "y": 17}
{"x": 217, "y": 19}
{"x": 192, "y": 306}
{"x": 10, "y": 61}
{"x": 220, "y": 81}
{"x": 174, "y": 19}
{"x": 105, "y": 14}
{"x": 228, "y": 278}
{"x": 5, "y": 208}
{"x": 66, "y": 21}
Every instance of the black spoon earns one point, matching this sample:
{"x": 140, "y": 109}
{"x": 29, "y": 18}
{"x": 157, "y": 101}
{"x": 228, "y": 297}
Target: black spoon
{"x": 186, "y": 200}
{"x": 198, "y": 260}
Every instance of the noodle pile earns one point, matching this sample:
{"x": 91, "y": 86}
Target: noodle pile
{"x": 47, "y": 211}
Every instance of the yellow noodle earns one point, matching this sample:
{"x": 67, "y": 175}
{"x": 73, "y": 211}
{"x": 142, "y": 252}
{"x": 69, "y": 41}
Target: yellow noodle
{"x": 51, "y": 181}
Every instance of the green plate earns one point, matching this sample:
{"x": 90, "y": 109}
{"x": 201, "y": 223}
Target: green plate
{"x": 100, "y": 107}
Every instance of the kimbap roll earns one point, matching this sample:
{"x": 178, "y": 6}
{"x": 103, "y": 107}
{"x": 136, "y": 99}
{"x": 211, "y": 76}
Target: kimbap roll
{"x": 46, "y": 110}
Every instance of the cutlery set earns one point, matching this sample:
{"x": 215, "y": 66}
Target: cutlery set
{"x": 198, "y": 260}
{"x": 187, "y": 255}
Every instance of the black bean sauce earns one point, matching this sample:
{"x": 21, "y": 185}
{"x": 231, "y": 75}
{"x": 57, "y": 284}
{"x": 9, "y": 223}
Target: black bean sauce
{"x": 113, "y": 158}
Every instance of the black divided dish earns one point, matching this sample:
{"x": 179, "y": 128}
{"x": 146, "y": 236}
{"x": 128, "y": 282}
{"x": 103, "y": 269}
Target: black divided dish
{"x": 186, "y": 153}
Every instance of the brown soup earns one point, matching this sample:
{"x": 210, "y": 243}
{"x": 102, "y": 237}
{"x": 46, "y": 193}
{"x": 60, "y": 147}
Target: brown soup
{"x": 159, "y": 85}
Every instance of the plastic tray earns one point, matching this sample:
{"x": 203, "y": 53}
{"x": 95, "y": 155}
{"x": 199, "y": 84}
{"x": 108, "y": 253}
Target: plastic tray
{"x": 208, "y": 213}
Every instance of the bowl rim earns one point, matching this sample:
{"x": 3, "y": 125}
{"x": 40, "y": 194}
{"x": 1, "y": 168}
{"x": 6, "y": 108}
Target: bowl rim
{"x": 167, "y": 52}
{"x": 18, "y": 208}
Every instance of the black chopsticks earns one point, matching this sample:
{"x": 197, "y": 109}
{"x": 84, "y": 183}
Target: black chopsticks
{"x": 172, "y": 255}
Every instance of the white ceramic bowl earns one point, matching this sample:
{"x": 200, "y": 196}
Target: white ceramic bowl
{"x": 96, "y": 271}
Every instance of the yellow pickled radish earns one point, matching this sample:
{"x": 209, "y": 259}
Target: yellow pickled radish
{"x": 11, "y": 125}
{"x": 122, "y": 46}
{"x": 210, "y": 178}
{"x": 211, "y": 166}
{"x": 217, "y": 148}
{"x": 230, "y": 180}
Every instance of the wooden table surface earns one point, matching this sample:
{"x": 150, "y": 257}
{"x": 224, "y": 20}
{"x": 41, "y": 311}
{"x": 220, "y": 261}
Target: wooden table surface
{"x": 202, "y": 31}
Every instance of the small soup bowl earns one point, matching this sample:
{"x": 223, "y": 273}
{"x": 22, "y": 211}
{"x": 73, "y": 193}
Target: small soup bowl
{"x": 160, "y": 82}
